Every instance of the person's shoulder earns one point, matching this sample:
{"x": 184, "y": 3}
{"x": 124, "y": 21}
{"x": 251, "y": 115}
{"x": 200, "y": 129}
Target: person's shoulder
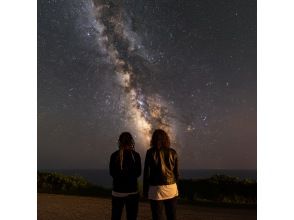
{"x": 150, "y": 150}
{"x": 114, "y": 153}
{"x": 173, "y": 150}
{"x": 136, "y": 153}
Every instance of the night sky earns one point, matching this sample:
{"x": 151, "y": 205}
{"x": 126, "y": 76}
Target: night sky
{"x": 188, "y": 67}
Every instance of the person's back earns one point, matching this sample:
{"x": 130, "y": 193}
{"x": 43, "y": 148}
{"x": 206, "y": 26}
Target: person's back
{"x": 125, "y": 168}
{"x": 163, "y": 165}
{"x": 160, "y": 176}
{"x": 125, "y": 175}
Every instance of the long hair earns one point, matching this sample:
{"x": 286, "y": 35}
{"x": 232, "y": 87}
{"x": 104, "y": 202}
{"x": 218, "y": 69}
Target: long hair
{"x": 125, "y": 141}
{"x": 160, "y": 139}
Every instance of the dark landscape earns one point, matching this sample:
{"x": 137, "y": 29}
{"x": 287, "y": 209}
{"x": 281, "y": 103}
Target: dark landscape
{"x": 217, "y": 190}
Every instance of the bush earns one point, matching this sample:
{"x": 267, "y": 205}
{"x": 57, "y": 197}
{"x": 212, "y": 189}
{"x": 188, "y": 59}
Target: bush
{"x": 220, "y": 189}
{"x": 217, "y": 189}
{"x": 74, "y": 185}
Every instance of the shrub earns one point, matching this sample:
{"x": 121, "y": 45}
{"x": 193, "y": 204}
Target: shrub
{"x": 219, "y": 188}
{"x": 75, "y": 185}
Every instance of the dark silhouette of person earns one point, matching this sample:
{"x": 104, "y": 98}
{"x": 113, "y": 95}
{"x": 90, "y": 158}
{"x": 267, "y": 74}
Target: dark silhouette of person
{"x": 125, "y": 168}
{"x": 161, "y": 176}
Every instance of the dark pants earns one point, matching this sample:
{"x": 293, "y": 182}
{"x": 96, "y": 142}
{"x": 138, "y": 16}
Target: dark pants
{"x": 169, "y": 205}
{"x": 131, "y": 202}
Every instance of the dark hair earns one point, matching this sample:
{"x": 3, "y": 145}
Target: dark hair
{"x": 126, "y": 140}
{"x": 160, "y": 139}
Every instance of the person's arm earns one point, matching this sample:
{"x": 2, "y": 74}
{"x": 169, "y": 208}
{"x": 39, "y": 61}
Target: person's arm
{"x": 176, "y": 168}
{"x": 146, "y": 175}
{"x": 114, "y": 169}
{"x": 138, "y": 166}
{"x": 112, "y": 166}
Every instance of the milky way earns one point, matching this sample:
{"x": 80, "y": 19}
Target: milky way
{"x": 119, "y": 43}
{"x": 108, "y": 66}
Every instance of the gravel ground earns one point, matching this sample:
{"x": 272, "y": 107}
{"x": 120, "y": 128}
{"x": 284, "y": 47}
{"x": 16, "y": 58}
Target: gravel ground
{"x": 62, "y": 207}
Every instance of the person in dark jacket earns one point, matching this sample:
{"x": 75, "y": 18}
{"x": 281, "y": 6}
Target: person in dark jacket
{"x": 125, "y": 168}
{"x": 161, "y": 176}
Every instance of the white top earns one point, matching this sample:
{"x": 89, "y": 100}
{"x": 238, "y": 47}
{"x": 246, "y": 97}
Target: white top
{"x": 163, "y": 192}
{"x": 120, "y": 194}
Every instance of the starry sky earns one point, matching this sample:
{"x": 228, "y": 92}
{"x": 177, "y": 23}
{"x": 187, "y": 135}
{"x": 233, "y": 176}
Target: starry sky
{"x": 188, "y": 67}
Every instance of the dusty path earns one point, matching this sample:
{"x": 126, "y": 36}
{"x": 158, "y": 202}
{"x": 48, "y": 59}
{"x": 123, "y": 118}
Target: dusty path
{"x": 61, "y": 207}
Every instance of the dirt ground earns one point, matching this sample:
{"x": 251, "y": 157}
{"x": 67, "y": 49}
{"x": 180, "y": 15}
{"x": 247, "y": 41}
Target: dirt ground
{"x": 61, "y": 207}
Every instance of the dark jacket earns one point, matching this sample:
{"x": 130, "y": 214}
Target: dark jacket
{"x": 161, "y": 168}
{"x": 125, "y": 178}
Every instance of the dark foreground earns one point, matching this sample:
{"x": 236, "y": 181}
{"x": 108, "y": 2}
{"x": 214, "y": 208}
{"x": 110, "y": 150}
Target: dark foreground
{"x": 61, "y": 207}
